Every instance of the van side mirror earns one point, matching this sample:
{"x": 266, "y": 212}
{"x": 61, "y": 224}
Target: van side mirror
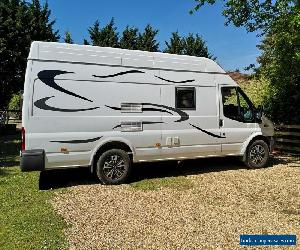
{"x": 258, "y": 113}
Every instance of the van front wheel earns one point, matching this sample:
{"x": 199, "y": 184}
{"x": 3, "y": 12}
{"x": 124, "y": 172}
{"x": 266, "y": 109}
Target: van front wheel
{"x": 113, "y": 167}
{"x": 257, "y": 154}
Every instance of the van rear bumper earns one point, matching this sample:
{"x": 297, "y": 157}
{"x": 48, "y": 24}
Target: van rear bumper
{"x": 32, "y": 160}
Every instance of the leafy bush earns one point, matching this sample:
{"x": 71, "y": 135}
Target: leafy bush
{"x": 15, "y": 103}
{"x": 256, "y": 90}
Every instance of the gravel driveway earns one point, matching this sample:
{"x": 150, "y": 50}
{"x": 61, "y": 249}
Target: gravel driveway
{"x": 207, "y": 204}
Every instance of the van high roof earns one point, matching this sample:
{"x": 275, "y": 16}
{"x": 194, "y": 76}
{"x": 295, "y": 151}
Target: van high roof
{"x": 51, "y": 51}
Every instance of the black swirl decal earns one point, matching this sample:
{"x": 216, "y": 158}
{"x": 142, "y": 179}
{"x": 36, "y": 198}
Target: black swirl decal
{"x": 144, "y": 123}
{"x": 120, "y": 73}
{"x": 206, "y": 132}
{"x": 47, "y": 77}
{"x": 41, "y": 104}
{"x": 114, "y": 108}
{"x": 185, "y": 81}
{"x": 79, "y": 141}
{"x": 183, "y": 116}
{"x": 155, "y": 109}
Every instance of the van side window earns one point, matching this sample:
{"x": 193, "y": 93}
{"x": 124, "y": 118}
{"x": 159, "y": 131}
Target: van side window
{"x": 186, "y": 98}
{"x": 236, "y": 105}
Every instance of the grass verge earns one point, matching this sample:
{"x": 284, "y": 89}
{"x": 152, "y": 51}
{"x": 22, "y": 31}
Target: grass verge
{"x": 27, "y": 219}
{"x": 178, "y": 183}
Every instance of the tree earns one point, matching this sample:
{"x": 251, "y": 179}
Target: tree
{"x": 41, "y": 27}
{"x": 105, "y": 37}
{"x": 20, "y": 24}
{"x": 194, "y": 45}
{"x": 85, "y": 42}
{"x": 94, "y": 32}
{"x": 254, "y": 14}
{"x": 280, "y": 64}
{"x": 68, "y": 38}
{"x": 176, "y": 44}
{"x": 129, "y": 38}
{"x": 146, "y": 40}
{"x": 278, "y": 21}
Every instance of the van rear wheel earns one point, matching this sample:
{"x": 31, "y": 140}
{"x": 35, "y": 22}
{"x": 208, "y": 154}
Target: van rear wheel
{"x": 257, "y": 154}
{"x": 113, "y": 167}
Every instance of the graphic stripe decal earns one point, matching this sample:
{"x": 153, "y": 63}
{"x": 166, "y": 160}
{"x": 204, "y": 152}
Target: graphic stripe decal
{"x": 47, "y": 77}
{"x": 121, "y": 73}
{"x": 144, "y": 123}
{"x": 185, "y": 81}
{"x": 41, "y": 104}
{"x": 183, "y": 116}
{"x": 79, "y": 141}
{"x": 155, "y": 109}
{"x": 114, "y": 108}
{"x": 206, "y": 132}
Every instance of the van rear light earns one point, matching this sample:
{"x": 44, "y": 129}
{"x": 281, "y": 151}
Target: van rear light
{"x": 23, "y": 139}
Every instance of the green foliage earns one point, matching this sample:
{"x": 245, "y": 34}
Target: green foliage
{"x": 129, "y": 38}
{"x": 176, "y": 44}
{"x": 68, "y": 38}
{"x": 15, "y": 104}
{"x": 95, "y": 32}
{"x": 279, "y": 22}
{"x": 20, "y": 24}
{"x": 256, "y": 89}
{"x": 280, "y": 63}
{"x": 194, "y": 45}
{"x": 105, "y": 37}
{"x": 85, "y": 42}
{"x": 253, "y": 14}
{"x": 146, "y": 40}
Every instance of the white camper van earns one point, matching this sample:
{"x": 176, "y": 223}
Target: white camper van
{"x": 105, "y": 108}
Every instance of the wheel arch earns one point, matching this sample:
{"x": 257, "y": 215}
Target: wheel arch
{"x": 111, "y": 143}
{"x": 254, "y": 137}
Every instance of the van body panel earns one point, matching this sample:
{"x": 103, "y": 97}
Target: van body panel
{"x": 79, "y": 98}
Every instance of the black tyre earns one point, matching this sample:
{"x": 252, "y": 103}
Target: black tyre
{"x": 257, "y": 154}
{"x": 113, "y": 167}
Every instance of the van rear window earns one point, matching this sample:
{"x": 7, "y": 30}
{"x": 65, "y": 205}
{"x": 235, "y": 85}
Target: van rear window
{"x": 186, "y": 98}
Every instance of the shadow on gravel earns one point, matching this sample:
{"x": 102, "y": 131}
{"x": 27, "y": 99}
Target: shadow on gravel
{"x": 53, "y": 179}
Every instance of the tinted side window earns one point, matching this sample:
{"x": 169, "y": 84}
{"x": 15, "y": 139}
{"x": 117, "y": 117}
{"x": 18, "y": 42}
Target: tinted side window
{"x": 236, "y": 105}
{"x": 186, "y": 98}
{"x": 230, "y": 103}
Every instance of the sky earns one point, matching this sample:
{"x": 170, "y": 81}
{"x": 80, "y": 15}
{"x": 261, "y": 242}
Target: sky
{"x": 233, "y": 47}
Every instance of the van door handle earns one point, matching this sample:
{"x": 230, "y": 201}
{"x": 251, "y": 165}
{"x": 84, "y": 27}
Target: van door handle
{"x": 221, "y": 122}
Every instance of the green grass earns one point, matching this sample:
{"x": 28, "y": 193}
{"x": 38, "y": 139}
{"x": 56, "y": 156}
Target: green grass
{"x": 178, "y": 183}
{"x": 27, "y": 219}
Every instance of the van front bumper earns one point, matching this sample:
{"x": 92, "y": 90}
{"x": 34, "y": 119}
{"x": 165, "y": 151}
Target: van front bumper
{"x": 32, "y": 160}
